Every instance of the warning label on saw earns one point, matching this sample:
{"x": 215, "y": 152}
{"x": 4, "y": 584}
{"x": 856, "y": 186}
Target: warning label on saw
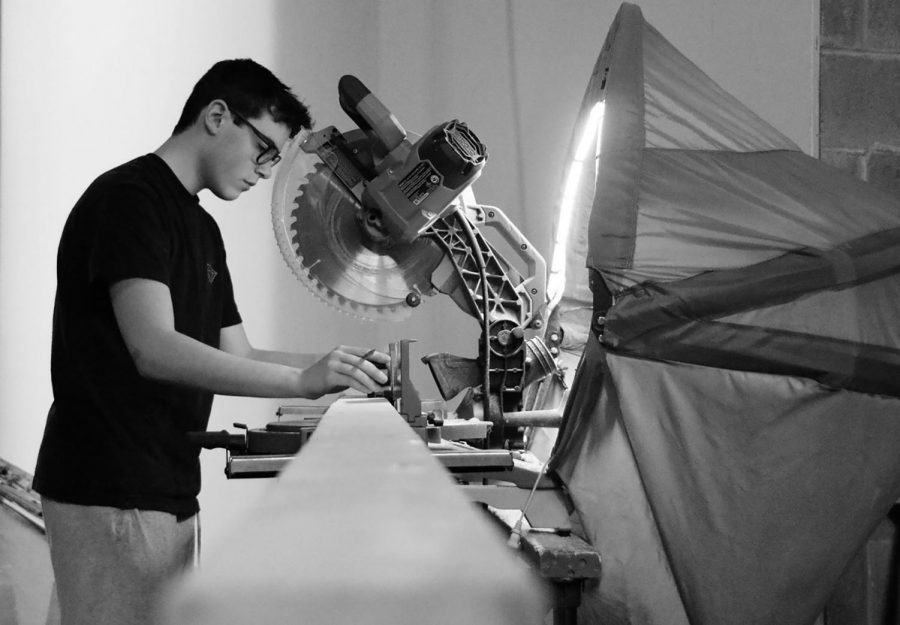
{"x": 420, "y": 182}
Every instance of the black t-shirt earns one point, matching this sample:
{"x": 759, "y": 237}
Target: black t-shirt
{"x": 112, "y": 437}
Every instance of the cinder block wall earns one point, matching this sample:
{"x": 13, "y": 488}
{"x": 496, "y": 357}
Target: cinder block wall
{"x": 859, "y": 81}
{"x": 859, "y": 131}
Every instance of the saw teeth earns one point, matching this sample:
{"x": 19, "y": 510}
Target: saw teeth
{"x": 303, "y": 204}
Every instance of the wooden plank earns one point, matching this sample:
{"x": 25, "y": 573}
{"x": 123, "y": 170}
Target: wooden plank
{"x": 363, "y": 526}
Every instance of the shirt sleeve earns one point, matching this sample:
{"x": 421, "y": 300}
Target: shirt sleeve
{"x": 230, "y": 314}
{"x": 130, "y": 239}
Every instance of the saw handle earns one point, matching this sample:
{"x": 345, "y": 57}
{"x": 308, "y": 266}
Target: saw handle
{"x": 368, "y": 112}
{"x": 351, "y": 92}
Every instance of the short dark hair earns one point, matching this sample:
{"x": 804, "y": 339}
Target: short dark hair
{"x": 251, "y": 89}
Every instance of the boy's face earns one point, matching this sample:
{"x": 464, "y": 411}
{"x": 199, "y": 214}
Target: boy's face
{"x": 241, "y": 143}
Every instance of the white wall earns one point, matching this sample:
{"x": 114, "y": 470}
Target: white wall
{"x": 86, "y": 85}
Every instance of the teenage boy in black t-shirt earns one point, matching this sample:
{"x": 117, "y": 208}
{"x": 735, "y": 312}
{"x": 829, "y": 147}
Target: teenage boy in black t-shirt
{"x": 145, "y": 332}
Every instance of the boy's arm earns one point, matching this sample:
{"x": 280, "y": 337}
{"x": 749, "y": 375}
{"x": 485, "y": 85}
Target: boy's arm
{"x": 143, "y": 311}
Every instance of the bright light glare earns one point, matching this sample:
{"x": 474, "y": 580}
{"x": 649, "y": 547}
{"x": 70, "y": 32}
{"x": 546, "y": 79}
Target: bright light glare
{"x": 590, "y": 137}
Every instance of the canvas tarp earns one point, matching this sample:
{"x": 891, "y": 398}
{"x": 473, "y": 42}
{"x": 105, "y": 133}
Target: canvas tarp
{"x": 730, "y": 438}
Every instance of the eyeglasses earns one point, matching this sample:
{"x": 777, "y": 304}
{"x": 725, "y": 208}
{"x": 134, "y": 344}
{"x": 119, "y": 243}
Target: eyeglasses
{"x": 271, "y": 154}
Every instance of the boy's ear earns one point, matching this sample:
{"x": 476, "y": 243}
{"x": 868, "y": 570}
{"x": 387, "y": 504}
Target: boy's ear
{"x": 214, "y": 116}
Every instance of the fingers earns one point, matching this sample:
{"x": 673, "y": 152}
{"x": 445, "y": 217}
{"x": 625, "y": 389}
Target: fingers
{"x": 372, "y": 355}
{"x": 360, "y": 368}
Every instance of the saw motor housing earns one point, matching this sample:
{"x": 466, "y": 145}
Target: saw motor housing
{"x": 409, "y": 186}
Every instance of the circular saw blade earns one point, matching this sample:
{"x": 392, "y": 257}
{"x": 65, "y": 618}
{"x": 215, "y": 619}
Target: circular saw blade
{"x": 316, "y": 222}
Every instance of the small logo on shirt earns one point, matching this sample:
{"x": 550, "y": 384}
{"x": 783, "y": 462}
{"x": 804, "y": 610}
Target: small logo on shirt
{"x": 210, "y": 273}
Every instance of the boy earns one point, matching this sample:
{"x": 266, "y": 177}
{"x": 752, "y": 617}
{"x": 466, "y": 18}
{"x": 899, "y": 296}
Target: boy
{"x": 145, "y": 332}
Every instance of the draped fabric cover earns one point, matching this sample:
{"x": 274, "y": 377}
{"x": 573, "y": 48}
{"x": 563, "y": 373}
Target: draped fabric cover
{"x": 732, "y": 438}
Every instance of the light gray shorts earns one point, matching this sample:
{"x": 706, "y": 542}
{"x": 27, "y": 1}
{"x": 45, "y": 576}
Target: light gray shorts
{"x": 110, "y": 564}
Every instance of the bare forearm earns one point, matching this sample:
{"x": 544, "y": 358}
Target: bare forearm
{"x": 179, "y": 359}
{"x": 145, "y": 316}
{"x": 289, "y": 359}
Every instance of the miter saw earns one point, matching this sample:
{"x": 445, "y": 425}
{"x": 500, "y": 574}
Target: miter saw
{"x": 372, "y": 222}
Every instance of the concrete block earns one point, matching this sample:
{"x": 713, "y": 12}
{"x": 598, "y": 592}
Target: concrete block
{"x": 883, "y": 170}
{"x": 858, "y": 101}
{"x": 882, "y": 29}
{"x": 841, "y": 23}
{"x": 846, "y": 160}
